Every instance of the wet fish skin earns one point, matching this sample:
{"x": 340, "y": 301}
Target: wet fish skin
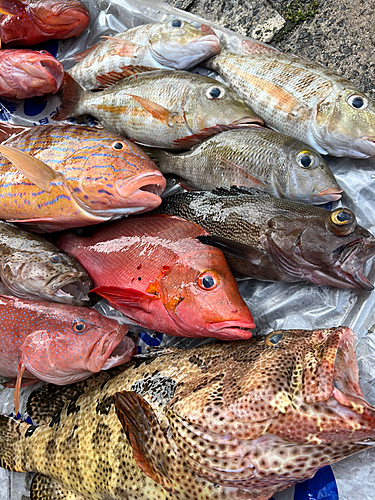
{"x": 29, "y": 73}
{"x": 155, "y": 271}
{"x": 274, "y": 239}
{"x": 32, "y": 267}
{"x": 29, "y": 22}
{"x": 57, "y": 343}
{"x": 255, "y": 157}
{"x": 161, "y": 108}
{"x": 94, "y": 176}
{"x": 171, "y": 45}
{"x": 302, "y": 99}
{"x": 217, "y": 421}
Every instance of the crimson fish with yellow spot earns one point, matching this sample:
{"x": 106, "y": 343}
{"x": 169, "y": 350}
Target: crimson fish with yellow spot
{"x": 155, "y": 271}
{"x": 223, "y": 421}
{"x": 57, "y": 177}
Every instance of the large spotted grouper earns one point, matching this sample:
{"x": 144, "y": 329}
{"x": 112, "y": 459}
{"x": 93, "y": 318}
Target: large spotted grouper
{"x": 237, "y": 420}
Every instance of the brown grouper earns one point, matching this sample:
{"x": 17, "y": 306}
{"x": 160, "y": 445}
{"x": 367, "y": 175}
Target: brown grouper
{"x": 223, "y": 421}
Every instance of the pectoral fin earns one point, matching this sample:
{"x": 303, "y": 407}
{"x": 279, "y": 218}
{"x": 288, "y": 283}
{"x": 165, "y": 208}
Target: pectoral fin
{"x": 123, "y": 48}
{"x": 235, "y": 248}
{"x": 81, "y": 55}
{"x": 47, "y": 488}
{"x": 127, "y": 297}
{"x": 157, "y": 111}
{"x": 32, "y": 168}
{"x": 151, "y": 449}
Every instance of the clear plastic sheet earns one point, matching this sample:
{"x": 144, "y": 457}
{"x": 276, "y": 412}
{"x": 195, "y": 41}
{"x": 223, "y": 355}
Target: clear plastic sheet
{"x": 274, "y": 305}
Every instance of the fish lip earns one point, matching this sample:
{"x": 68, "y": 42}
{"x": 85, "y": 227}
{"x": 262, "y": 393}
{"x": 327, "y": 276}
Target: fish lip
{"x": 144, "y": 190}
{"x": 231, "y": 330}
{"x": 330, "y": 194}
{"x": 212, "y": 39}
{"x": 55, "y": 70}
{"x": 101, "y": 352}
{"x": 351, "y": 260}
{"x": 55, "y": 288}
{"x": 248, "y": 122}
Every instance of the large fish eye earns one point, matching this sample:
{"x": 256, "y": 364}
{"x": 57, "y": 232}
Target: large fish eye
{"x": 358, "y": 101}
{"x": 56, "y": 258}
{"x": 305, "y": 159}
{"x": 273, "y": 338}
{"x": 208, "y": 280}
{"x": 177, "y": 23}
{"x": 341, "y": 222}
{"x": 118, "y": 145}
{"x": 79, "y": 326}
{"x": 215, "y": 92}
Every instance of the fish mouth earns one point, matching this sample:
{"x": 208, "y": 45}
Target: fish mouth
{"x": 111, "y": 350}
{"x": 144, "y": 192}
{"x": 330, "y": 194}
{"x": 231, "y": 330}
{"x": 70, "y": 289}
{"x": 71, "y": 20}
{"x": 54, "y": 68}
{"x": 247, "y": 122}
{"x": 210, "y": 40}
{"x": 351, "y": 260}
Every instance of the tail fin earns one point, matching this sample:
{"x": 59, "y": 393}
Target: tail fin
{"x": 12, "y": 439}
{"x": 70, "y": 93}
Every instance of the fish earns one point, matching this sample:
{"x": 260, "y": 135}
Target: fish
{"x": 57, "y": 343}
{"x": 29, "y": 73}
{"x": 162, "y": 108}
{"x": 301, "y": 98}
{"x": 55, "y": 177}
{"x": 256, "y": 157}
{"x": 171, "y": 45}
{"x": 224, "y": 421}
{"x": 272, "y": 239}
{"x": 32, "y": 267}
{"x": 155, "y": 271}
{"x": 29, "y": 22}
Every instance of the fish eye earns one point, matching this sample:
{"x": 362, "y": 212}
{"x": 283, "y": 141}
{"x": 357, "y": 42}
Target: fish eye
{"x": 214, "y": 92}
{"x": 305, "y": 159}
{"x": 79, "y": 326}
{"x": 273, "y": 338}
{"x": 118, "y": 145}
{"x": 341, "y": 222}
{"x": 358, "y": 101}
{"x": 177, "y": 23}
{"x": 55, "y": 258}
{"x": 208, "y": 280}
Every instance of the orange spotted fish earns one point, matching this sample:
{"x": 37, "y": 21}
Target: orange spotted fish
{"x": 57, "y": 177}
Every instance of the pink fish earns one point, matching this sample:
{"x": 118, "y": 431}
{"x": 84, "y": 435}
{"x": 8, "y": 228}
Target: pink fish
{"x": 57, "y": 343}
{"x": 29, "y": 73}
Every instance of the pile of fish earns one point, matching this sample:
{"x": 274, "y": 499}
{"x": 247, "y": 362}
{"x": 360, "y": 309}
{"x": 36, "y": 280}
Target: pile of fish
{"x": 242, "y": 172}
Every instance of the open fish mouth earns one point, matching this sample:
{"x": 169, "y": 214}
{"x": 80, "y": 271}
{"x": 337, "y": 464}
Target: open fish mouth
{"x": 351, "y": 260}
{"x": 55, "y": 70}
{"x": 231, "y": 330}
{"x": 144, "y": 191}
{"x": 70, "y": 289}
{"x": 330, "y": 194}
{"x": 112, "y": 350}
{"x": 247, "y": 122}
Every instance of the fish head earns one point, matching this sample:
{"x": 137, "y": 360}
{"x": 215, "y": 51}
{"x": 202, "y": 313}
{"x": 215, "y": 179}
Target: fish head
{"x": 200, "y": 294}
{"x": 324, "y": 247}
{"x": 74, "y": 344}
{"x": 303, "y": 175}
{"x": 117, "y": 176}
{"x": 29, "y": 73}
{"x": 47, "y": 274}
{"x": 345, "y": 123}
{"x": 178, "y": 45}
{"x": 60, "y": 19}
{"x": 211, "y": 107}
{"x": 269, "y": 412}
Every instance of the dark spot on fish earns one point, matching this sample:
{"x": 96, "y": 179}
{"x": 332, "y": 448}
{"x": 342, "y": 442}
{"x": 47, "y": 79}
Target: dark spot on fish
{"x": 103, "y": 385}
{"x": 77, "y": 190}
{"x": 72, "y": 407}
{"x": 161, "y": 389}
{"x": 30, "y": 431}
{"x": 139, "y": 278}
{"x": 104, "y": 406}
{"x": 139, "y": 267}
{"x": 55, "y": 419}
{"x": 101, "y": 436}
{"x": 195, "y": 360}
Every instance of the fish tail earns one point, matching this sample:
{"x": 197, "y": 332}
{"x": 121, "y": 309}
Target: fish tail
{"x": 70, "y": 93}
{"x": 12, "y": 440}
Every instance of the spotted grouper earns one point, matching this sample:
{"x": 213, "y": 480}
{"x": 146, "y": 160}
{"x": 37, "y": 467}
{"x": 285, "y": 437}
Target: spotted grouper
{"x": 238, "y": 420}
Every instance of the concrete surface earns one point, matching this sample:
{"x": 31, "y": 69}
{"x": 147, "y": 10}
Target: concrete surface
{"x": 339, "y": 34}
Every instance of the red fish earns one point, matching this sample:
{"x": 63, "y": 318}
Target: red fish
{"x": 57, "y": 343}
{"x": 28, "y": 73}
{"x": 28, "y": 22}
{"x": 155, "y": 271}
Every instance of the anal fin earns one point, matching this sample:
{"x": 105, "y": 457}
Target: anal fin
{"x": 47, "y": 488}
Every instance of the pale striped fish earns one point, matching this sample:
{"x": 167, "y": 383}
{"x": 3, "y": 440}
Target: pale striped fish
{"x": 301, "y": 98}
{"x": 163, "y": 108}
{"x": 173, "y": 45}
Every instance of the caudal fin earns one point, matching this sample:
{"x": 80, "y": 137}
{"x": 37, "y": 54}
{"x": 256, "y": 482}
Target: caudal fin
{"x": 70, "y": 93}
{"x": 12, "y": 438}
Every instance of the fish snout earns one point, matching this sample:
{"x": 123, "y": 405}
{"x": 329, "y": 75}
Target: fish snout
{"x": 143, "y": 191}
{"x": 70, "y": 288}
{"x": 330, "y": 194}
{"x": 353, "y": 257}
{"x": 55, "y": 69}
{"x": 232, "y": 330}
{"x": 113, "y": 349}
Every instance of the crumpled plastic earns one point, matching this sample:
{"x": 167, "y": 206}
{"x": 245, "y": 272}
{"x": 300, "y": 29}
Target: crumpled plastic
{"x": 273, "y": 305}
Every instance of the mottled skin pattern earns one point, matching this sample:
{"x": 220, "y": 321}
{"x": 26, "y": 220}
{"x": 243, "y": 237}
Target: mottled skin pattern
{"x": 302, "y": 99}
{"x": 272, "y": 239}
{"x": 32, "y": 267}
{"x": 99, "y": 176}
{"x": 165, "y": 108}
{"x": 257, "y": 157}
{"x": 173, "y": 45}
{"x": 222, "y": 421}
